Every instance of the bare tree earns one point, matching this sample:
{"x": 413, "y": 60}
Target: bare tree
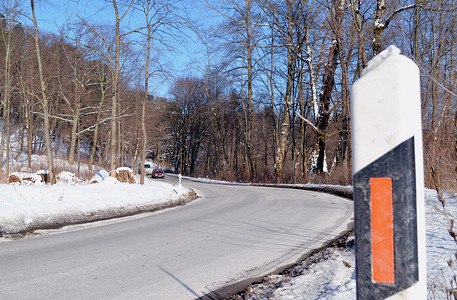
{"x": 114, "y": 63}
{"x": 44, "y": 100}
{"x": 358, "y": 25}
{"x": 76, "y": 64}
{"x": 328, "y": 81}
{"x": 287, "y": 31}
{"x": 102, "y": 80}
{"x": 380, "y": 24}
{"x": 158, "y": 14}
{"x": 11, "y": 11}
{"x": 187, "y": 123}
{"x": 115, "y": 81}
{"x": 243, "y": 23}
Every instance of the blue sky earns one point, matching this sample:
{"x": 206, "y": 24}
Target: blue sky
{"x": 52, "y": 14}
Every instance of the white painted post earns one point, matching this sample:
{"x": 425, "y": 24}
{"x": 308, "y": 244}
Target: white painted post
{"x": 388, "y": 179}
{"x": 180, "y": 183}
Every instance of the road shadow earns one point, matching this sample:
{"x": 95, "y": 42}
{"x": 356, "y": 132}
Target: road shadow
{"x": 179, "y": 281}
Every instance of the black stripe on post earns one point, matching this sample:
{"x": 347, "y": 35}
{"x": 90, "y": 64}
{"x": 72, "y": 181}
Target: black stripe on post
{"x": 399, "y": 165}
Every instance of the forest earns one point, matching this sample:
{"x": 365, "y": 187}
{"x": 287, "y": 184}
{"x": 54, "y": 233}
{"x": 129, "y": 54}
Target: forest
{"x": 269, "y": 101}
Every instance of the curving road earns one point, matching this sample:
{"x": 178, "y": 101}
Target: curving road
{"x": 212, "y": 246}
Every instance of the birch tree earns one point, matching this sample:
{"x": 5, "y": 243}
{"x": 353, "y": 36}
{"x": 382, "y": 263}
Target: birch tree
{"x": 380, "y": 23}
{"x": 287, "y": 30}
{"x": 328, "y": 83}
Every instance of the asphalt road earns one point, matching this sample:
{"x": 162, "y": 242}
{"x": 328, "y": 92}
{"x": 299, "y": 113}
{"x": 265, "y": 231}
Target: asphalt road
{"x": 208, "y": 247}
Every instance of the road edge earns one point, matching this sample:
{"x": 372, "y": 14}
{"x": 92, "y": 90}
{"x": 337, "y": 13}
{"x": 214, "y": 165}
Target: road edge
{"x": 237, "y": 291}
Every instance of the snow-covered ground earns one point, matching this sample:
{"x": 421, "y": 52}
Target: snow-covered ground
{"x": 330, "y": 274}
{"x": 30, "y": 206}
{"x": 73, "y": 200}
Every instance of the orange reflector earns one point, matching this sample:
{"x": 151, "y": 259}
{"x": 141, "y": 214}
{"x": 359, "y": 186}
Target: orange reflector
{"x": 382, "y": 230}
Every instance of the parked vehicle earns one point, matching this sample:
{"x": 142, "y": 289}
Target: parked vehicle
{"x": 157, "y": 173}
{"x": 148, "y": 168}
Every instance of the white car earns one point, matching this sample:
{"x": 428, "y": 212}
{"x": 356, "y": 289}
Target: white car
{"x": 148, "y": 168}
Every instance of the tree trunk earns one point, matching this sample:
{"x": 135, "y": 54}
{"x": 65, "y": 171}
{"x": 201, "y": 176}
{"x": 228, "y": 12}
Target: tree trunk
{"x": 75, "y": 122}
{"x": 250, "y": 116}
{"x": 97, "y": 124}
{"x": 325, "y": 97}
{"x": 378, "y": 27}
{"x": 272, "y": 100}
{"x": 344, "y": 144}
{"x": 453, "y": 42}
{"x": 6, "y": 104}
{"x": 79, "y": 151}
{"x": 284, "y": 132}
{"x": 7, "y": 41}
{"x": 27, "y": 123}
{"x": 143, "y": 122}
{"x": 147, "y": 58}
{"x": 115, "y": 88}
{"x": 362, "y": 56}
{"x": 44, "y": 99}
{"x": 327, "y": 88}
{"x": 301, "y": 167}
{"x": 120, "y": 146}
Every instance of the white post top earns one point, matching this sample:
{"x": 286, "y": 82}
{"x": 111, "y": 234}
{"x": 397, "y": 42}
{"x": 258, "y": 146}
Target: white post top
{"x": 378, "y": 59}
{"x": 387, "y": 97}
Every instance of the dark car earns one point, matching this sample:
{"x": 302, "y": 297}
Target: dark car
{"x": 156, "y": 173}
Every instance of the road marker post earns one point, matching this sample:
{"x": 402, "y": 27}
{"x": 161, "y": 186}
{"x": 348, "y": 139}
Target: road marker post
{"x": 180, "y": 183}
{"x": 388, "y": 179}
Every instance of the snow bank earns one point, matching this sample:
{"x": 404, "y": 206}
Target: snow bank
{"x": 441, "y": 247}
{"x": 26, "y": 207}
{"x": 333, "y": 278}
{"x": 67, "y": 177}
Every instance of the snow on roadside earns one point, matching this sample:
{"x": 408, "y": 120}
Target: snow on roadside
{"x": 339, "y": 190}
{"x": 330, "y": 274}
{"x": 26, "y": 207}
{"x": 333, "y": 278}
{"x": 441, "y": 247}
